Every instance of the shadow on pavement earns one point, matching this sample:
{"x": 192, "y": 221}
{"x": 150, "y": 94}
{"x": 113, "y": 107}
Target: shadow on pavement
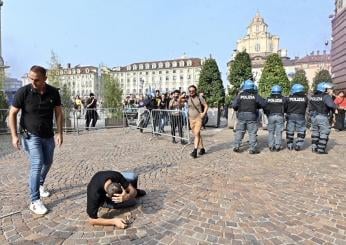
{"x": 143, "y": 169}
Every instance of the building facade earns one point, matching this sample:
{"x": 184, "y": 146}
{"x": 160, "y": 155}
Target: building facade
{"x": 165, "y": 75}
{"x": 312, "y": 64}
{"x": 338, "y": 52}
{"x": 82, "y": 80}
{"x": 259, "y": 44}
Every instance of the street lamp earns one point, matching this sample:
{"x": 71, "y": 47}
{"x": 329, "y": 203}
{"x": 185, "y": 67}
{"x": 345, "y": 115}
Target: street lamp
{"x": 325, "y": 56}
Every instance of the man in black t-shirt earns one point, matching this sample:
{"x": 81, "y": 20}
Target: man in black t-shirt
{"x": 111, "y": 189}
{"x": 38, "y": 102}
{"x": 91, "y": 113}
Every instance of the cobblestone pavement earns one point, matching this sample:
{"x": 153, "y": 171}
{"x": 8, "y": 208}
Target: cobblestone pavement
{"x": 219, "y": 198}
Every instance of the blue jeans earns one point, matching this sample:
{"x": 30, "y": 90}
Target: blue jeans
{"x": 40, "y": 152}
{"x": 295, "y": 125}
{"x": 275, "y": 128}
{"x": 251, "y": 127}
{"x": 320, "y": 130}
{"x": 132, "y": 178}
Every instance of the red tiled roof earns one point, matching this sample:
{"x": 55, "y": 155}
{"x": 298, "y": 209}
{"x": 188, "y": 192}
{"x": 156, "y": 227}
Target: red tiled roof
{"x": 318, "y": 58}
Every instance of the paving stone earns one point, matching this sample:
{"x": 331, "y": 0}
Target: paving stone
{"x": 222, "y": 197}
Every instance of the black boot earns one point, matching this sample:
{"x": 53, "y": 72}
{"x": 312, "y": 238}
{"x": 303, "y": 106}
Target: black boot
{"x": 236, "y": 149}
{"x": 202, "y": 152}
{"x": 254, "y": 151}
{"x": 297, "y": 148}
{"x": 194, "y": 153}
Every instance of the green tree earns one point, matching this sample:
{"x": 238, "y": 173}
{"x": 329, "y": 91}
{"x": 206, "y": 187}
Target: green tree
{"x": 112, "y": 91}
{"x": 321, "y": 76}
{"x": 53, "y": 70}
{"x": 3, "y": 97}
{"x": 300, "y": 77}
{"x": 273, "y": 74}
{"x": 211, "y": 84}
{"x": 3, "y": 102}
{"x": 239, "y": 71}
{"x": 54, "y": 80}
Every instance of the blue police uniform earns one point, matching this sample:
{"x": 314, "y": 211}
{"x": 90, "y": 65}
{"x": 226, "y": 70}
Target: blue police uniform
{"x": 275, "y": 110}
{"x": 246, "y": 104}
{"x": 320, "y": 106}
{"x": 296, "y": 109}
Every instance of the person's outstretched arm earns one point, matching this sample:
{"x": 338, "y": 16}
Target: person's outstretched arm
{"x": 118, "y": 222}
{"x": 13, "y": 126}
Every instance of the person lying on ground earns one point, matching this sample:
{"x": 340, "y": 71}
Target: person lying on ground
{"x": 114, "y": 190}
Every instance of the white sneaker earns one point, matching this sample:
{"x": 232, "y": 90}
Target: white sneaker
{"x": 38, "y": 207}
{"x": 43, "y": 192}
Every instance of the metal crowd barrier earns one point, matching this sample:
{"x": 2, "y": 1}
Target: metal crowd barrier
{"x": 171, "y": 123}
{"x": 97, "y": 118}
{"x": 138, "y": 118}
{"x": 76, "y": 120}
{"x": 4, "y": 121}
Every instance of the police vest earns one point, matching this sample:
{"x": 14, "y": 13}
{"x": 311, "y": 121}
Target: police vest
{"x": 247, "y": 102}
{"x": 297, "y": 104}
{"x": 275, "y": 105}
{"x": 317, "y": 104}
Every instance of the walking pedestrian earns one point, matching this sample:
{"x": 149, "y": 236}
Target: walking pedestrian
{"x": 321, "y": 105}
{"x": 196, "y": 116}
{"x": 37, "y": 101}
{"x": 91, "y": 113}
{"x": 246, "y": 104}
{"x": 296, "y": 106}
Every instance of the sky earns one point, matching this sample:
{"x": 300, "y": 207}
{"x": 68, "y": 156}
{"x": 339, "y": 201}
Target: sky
{"x": 121, "y": 32}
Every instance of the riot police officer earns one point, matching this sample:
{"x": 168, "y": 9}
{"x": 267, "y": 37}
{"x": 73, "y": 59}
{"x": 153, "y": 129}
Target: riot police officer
{"x": 275, "y": 110}
{"x": 246, "y": 104}
{"x": 296, "y": 106}
{"x": 321, "y": 105}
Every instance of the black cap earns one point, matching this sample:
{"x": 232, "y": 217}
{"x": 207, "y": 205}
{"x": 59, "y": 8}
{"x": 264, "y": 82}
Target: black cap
{"x": 91, "y": 94}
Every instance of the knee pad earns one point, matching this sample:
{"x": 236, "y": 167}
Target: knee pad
{"x": 301, "y": 135}
{"x": 289, "y": 135}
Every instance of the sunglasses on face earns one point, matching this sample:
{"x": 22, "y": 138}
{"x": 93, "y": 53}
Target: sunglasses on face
{"x": 192, "y": 91}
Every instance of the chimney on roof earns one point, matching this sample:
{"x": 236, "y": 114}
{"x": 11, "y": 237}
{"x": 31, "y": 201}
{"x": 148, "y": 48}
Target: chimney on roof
{"x": 318, "y": 52}
{"x": 312, "y": 53}
{"x": 296, "y": 57}
{"x": 324, "y": 52}
{"x": 68, "y": 65}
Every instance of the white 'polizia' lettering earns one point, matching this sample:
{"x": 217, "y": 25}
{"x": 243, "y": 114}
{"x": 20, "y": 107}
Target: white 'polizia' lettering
{"x": 274, "y": 100}
{"x": 316, "y": 98}
{"x": 297, "y": 99}
{"x": 247, "y": 97}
